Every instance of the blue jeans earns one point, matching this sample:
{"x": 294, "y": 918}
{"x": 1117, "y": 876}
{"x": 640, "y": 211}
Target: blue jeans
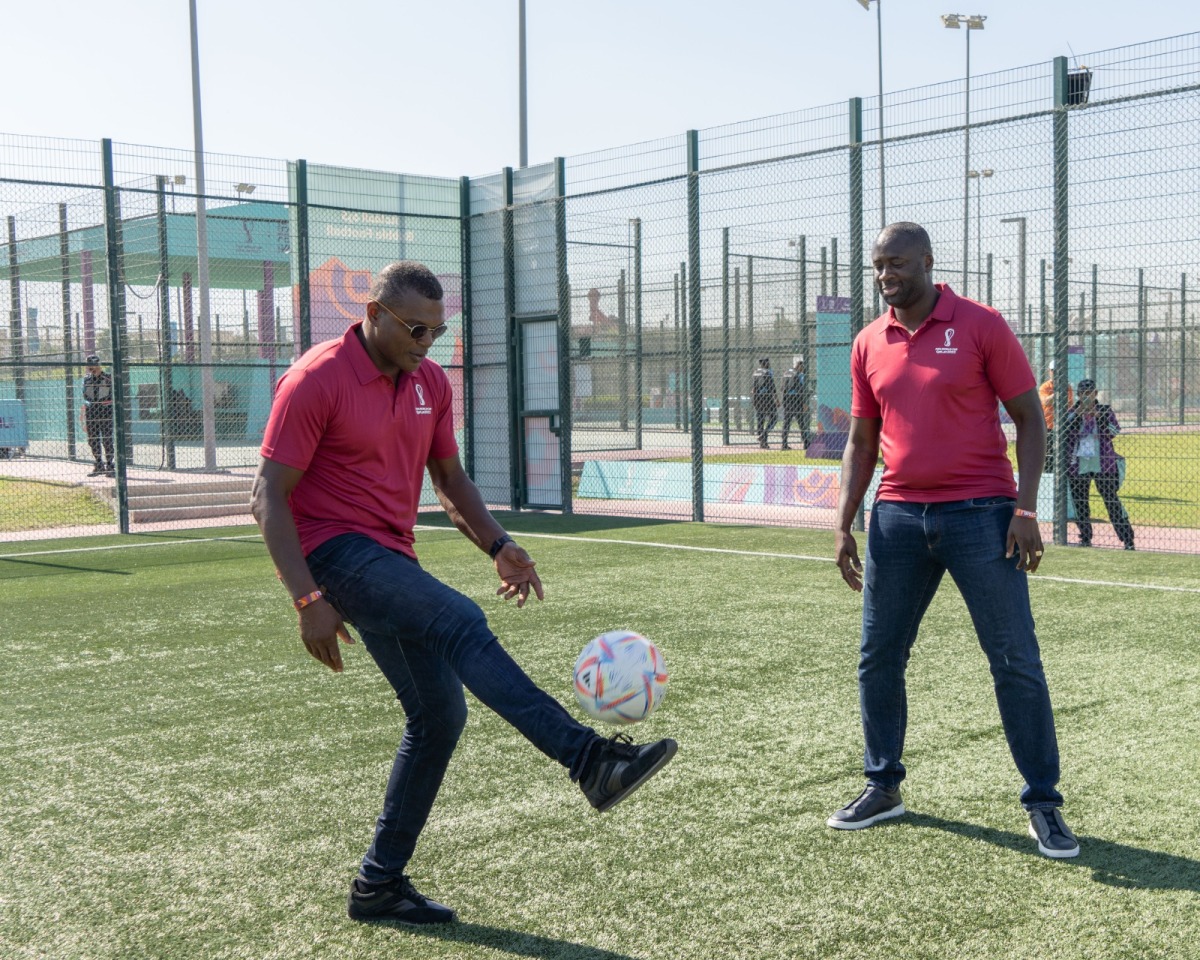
{"x": 429, "y": 640}
{"x": 909, "y": 547}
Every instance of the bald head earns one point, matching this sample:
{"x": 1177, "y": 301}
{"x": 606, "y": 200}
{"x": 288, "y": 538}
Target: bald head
{"x": 908, "y": 234}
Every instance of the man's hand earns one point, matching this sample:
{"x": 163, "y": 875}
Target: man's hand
{"x": 847, "y": 560}
{"x": 1025, "y": 541}
{"x": 517, "y": 574}
{"x": 320, "y": 627}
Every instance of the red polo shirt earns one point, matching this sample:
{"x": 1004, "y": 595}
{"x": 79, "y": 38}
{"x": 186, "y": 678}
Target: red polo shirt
{"x": 936, "y": 391}
{"x": 361, "y": 439}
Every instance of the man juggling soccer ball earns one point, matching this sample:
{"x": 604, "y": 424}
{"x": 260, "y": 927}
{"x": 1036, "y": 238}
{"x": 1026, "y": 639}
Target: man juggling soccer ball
{"x": 355, "y": 424}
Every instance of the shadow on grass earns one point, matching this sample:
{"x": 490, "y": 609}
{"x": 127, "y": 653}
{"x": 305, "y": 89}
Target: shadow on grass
{"x": 508, "y": 941}
{"x": 1115, "y": 864}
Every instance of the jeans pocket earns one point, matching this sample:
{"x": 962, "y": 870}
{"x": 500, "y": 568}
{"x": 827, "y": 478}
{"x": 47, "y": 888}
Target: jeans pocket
{"x": 992, "y": 501}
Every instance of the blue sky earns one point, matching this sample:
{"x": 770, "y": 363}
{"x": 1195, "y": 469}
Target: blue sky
{"x": 431, "y": 87}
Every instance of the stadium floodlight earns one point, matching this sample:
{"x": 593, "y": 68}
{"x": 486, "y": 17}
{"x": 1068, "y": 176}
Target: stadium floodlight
{"x": 242, "y": 188}
{"x": 974, "y": 21}
{"x": 866, "y": 5}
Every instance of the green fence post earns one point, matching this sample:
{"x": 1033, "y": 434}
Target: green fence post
{"x": 637, "y": 329}
{"x": 516, "y": 475}
{"x": 750, "y": 348}
{"x": 725, "y": 336}
{"x": 696, "y": 360}
{"x": 1092, "y": 366}
{"x": 1182, "y": 347}
{"x": 856, "y": 218}
{"x": 737, "y": 337}
{"x": 675, "y": 357}
{"x": 1141, "y": 346}
{"x": 165, "y": 384}
{"x": 64, "y": 254}
{"x": 116, "y": 325}
{"x": 1062, "y": 305}
{"x": 856, "y": 241}
{"x": 681, "y": 348}
{"x": 989, "y": 280}
{"x": 302, "y": 254}
{"x": 623, "y": 350}
{"x": 565, "y": 418}
{"x": 805, "y": 332}
{"x": 468, "y": 338}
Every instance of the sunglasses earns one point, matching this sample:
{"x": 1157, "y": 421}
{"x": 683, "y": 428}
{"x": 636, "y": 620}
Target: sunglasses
{"x": 416, "y": 330}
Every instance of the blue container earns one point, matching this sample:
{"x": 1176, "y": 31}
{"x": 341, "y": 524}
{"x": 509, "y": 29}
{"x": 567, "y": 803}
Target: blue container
{"x": 14, "y": 429}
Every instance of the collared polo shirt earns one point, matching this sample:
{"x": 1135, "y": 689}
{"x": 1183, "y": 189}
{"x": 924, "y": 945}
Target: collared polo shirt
{"x": 361, "y": 439}
{"x": 936, "y": 392}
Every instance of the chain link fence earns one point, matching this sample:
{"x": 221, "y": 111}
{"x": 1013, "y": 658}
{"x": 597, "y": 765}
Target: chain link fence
{"x": 611, "y": 313}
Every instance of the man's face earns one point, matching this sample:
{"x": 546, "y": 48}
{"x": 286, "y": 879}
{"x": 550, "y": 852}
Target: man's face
{"x": 392, "y": 340}
{"x": 901, "y": 270}
{"x": 94, "y": 370}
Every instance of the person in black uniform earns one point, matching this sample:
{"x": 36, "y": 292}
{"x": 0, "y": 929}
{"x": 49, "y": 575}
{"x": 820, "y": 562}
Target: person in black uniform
{"x": 765, "y": 398}
{"x": 796, "y": 390}
{"x": 98, "y": 415}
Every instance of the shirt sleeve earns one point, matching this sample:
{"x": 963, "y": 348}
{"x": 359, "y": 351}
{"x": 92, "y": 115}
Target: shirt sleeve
{"x": 863, "y": 402}
{"x": 1005, "y": 364}
{"x": 299, "y": 417}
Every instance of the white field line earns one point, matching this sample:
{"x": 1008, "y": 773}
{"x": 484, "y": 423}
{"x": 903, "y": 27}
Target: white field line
{"x": 627, "y": 543}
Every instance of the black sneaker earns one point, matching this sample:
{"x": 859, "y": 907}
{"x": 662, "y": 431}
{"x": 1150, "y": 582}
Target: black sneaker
{"x": 1054, "y": 837}
{"x": 871, "y": 806}
{"x": 110, "y": 471}
{"x": 619, "y": 767}
{"x": 395, "y": 900}
{"x": 97, "y": 470}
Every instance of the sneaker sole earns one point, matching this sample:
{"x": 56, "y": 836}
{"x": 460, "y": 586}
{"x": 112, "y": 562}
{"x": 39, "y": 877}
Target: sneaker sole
{"x": 385, "y": 917}
{"x": 1050, "y": 852}
{"x": 662, "y": 761}
{"x": 869, "y": 822}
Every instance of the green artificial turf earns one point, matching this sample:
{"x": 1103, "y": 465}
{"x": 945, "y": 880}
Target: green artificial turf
{"x": 180, "y": 779}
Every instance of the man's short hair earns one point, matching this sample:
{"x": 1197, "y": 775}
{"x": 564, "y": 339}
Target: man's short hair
{"x": 397, "y": 278}
{"x": 912, "y": 233}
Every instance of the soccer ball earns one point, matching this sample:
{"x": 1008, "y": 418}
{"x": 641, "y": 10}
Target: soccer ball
{"x": 620, "y": 677}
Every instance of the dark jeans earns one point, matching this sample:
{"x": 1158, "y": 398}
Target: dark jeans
{"x": 100, "y": 431}
{"x": 766, "y": 420}
{"x": 429, "y": 640}
{"x": 1107, "y": 485}
{"x": 801, "y": 416}
{"x": 909, "y": 547}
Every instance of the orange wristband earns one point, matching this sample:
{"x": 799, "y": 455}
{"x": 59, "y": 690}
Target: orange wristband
{"x": 1030, "y": 514}
{"x": 304, "y": 601}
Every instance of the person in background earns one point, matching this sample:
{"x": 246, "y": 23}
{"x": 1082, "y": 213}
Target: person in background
{"x": 796, "y": 390}
{"x": 355, "y": 425}
{"x": 1046, "y": 395}
{"x": 98, "y": 415}
{"x": 765, "y": 398}
{"x": 1088, "y": 432}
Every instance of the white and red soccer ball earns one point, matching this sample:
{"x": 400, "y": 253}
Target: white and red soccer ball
{"x": 620, "y": 677}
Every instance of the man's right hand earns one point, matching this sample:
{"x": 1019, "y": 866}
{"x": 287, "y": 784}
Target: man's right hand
{"x": 320, "y": 628}
{"x": 847, "y": 560}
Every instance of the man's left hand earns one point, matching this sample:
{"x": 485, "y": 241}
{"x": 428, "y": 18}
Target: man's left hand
{"x": 517, "y": 574}
{"x": 1025, "y": 541}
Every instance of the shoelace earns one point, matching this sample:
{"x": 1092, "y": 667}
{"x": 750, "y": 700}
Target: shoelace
{"x": 622, "y": 744}
{"x": 408, "y": 890}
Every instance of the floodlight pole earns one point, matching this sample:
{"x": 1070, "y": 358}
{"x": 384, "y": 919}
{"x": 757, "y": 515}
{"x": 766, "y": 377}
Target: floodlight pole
{"x": 523, "y": 103}
{"x": 866, "y": 5}
{"x": 207, "y": 386}
{"x": 954, "y": 21}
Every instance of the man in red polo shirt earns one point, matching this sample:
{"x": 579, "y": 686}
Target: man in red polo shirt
{"x": 355, "y": 424}
{"x": 927, "y": 377}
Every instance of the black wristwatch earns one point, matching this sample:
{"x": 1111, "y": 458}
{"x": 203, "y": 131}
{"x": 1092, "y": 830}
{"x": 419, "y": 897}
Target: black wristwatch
{"x": 498, "y": 545}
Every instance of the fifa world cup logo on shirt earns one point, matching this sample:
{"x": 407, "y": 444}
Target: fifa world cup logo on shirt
{"x": 947, "y": 348}
{"x": 421, "y": 406}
